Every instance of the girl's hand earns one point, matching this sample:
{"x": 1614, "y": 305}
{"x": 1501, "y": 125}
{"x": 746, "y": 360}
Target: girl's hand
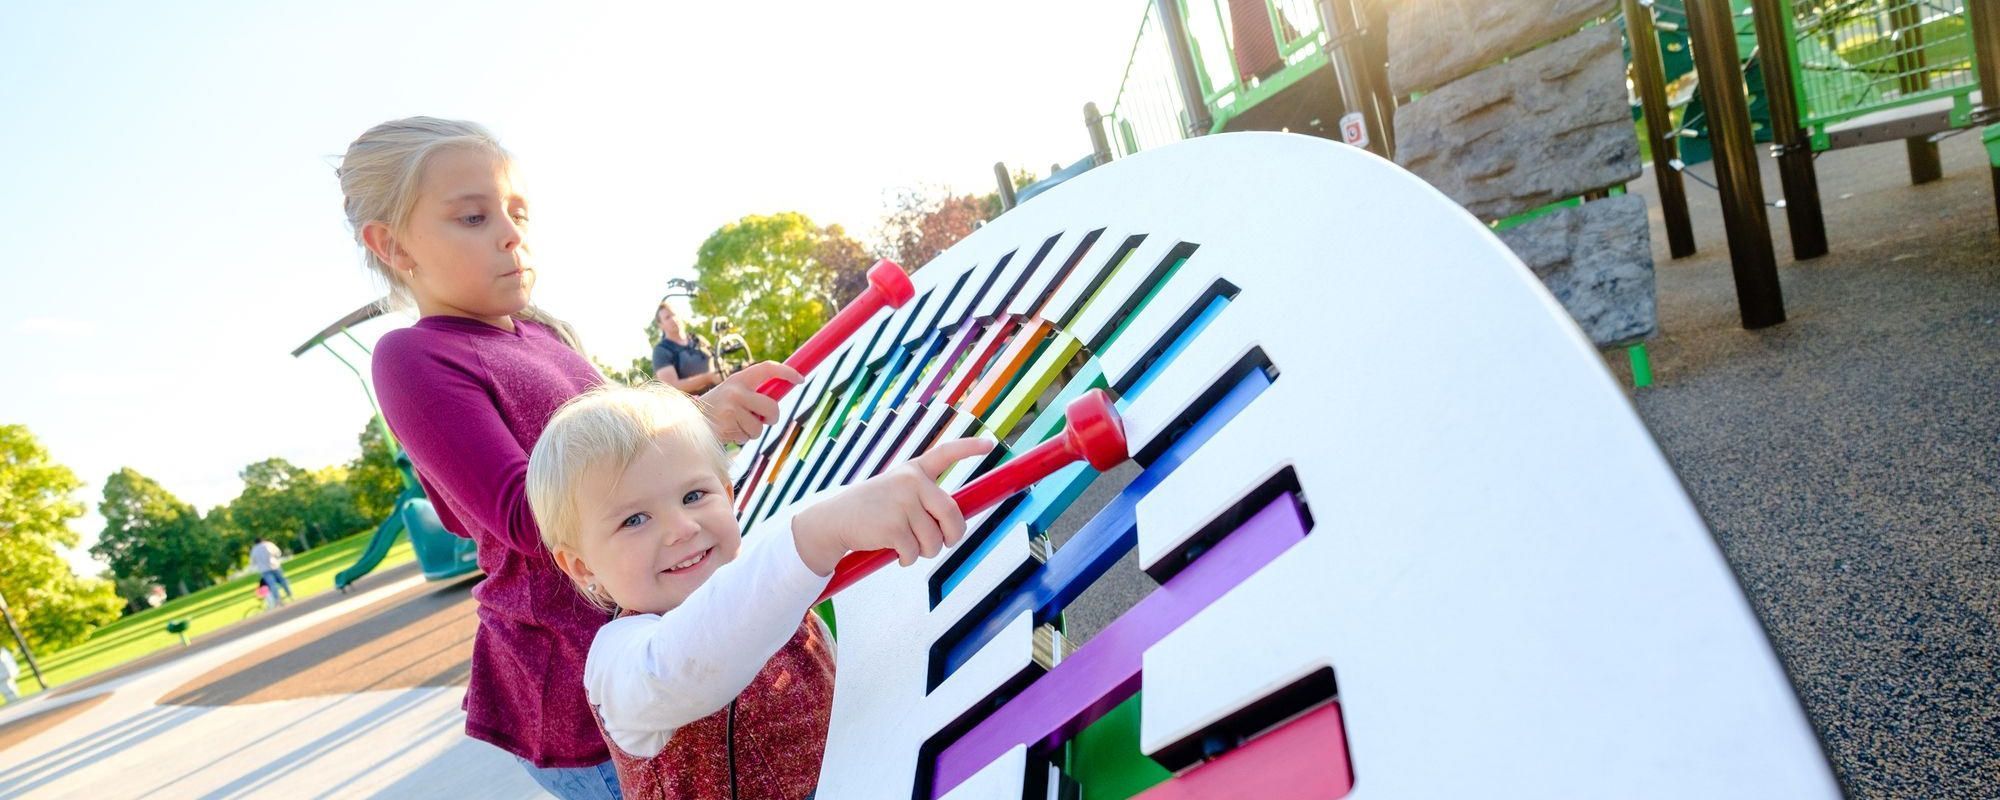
{"x": 736, "y": 411}
{"x": 902, "y": 509}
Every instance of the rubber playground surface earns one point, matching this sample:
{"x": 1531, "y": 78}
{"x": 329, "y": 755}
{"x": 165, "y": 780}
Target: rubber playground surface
{"x": 1844, "y": 461}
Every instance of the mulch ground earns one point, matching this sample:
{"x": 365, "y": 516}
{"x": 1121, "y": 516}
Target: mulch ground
{"x": 1846, "y": 458}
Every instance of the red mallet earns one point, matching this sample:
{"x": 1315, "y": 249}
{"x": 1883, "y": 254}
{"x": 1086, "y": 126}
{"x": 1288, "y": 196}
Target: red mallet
{"x": 888, "y": 287}
{"x": 1094, "y": 434}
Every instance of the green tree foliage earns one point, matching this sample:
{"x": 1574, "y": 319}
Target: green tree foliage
{"x": 149, "y": 532}
{"x": 764, "y": 274}
{"x": 372, "y": 476}
{"x": 638, "y": 372}
{"x": 273, "y": 503}
{"x": 54, "y": 606}
{"x": 989, "y": 203}
{"x": 297, "y": 509}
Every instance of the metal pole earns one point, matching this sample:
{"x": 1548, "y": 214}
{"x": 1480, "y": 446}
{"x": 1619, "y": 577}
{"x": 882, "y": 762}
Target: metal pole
{"x": 1795, "y": 156}
{"x": 1100, "y": 143}
{"x": 1649, "y": 73}
{"x": 1984, "y": 16}
{"x": 1925, "y": 166}
{"x": 1759, "y": 298}
{"x": 1175, "y": 27}
{"x": 1374, "y": 15}
{"x": 1006, "y": 185}
{"x": 1344, "y": 49}
{"x": 23, "y": 642}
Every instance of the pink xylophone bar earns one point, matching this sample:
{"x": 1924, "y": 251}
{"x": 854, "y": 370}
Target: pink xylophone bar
{"x": 888, "y": 287}
{"x": 1093, "y": 433}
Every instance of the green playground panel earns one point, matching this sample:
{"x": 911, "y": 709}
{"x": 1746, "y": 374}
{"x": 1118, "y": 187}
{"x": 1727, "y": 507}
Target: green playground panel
{"x": 1295, "y": 30}
{"x": 1851, "y": 59}
{"x": 1105, "y": 760}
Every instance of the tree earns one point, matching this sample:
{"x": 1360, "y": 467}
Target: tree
{"x": 372, "y": 476}
{"x": 919, "y": 225}
{"x": 273, "y": 503}
{"x": 149, "y": 532}
{"x": 847, "y": 260}
{"x": 638, "y": 372}
{"x": 989, "y": 203}
{"x": 332, "y": 509}
{"x": 55, "y": 607}
{"x": 764, "y": 274}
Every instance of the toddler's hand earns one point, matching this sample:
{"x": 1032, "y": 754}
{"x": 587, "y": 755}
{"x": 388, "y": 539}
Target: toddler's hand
{"x": 902, "y": 509}
{"x": 736, "y": 410}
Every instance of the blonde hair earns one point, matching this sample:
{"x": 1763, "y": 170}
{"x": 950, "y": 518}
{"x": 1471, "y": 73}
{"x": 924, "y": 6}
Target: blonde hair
{"x": 379, "y": 176}
{"x": 607, "y": 427}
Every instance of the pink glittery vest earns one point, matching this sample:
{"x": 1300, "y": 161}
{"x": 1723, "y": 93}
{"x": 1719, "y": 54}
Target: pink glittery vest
{"x": 781, "y": 722}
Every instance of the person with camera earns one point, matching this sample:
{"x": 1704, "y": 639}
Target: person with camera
{"x": 679, "y": 359}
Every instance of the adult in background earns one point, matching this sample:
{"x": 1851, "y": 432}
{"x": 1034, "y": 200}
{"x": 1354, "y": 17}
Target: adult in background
{"x": 264, "y": 558}
{"x": 679, "y": 360}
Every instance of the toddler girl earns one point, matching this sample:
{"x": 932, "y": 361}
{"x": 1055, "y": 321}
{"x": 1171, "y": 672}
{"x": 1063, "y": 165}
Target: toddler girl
{"x": 713, "y": 680}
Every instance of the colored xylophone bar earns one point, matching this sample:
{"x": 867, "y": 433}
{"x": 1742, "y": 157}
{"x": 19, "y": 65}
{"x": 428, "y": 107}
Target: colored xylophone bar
{"x": 921, "y": 377}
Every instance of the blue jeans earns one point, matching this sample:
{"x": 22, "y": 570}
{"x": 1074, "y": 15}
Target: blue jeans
{"x": 576, "y": 783}
{"x": 276, "y": 580}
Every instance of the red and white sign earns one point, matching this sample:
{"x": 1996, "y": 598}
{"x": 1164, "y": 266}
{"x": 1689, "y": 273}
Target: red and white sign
{"x": 1353, "y": 130}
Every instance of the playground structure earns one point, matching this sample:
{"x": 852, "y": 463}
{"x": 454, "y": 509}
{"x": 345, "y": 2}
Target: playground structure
{"x": 440, "y": 553}
{"x": 1365, "y": 570}
{"x": 1845, "y": 73}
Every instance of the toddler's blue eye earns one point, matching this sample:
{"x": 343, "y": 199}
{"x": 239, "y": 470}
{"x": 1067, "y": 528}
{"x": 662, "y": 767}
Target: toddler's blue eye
{"x": 473, "y": 219}
{"x": 634, "y": 521}
{"x": 693, "y": 497}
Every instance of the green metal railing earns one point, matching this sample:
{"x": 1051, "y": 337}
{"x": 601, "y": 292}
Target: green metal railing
{"x": 1150, "y": 110}
{"x": 1852, "y": 58}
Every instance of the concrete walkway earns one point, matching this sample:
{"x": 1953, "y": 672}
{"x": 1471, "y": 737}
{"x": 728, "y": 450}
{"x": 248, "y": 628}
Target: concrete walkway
{"x": 129, "y": 743}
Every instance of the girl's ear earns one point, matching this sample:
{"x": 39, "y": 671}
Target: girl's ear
{"x": 382, "y": 242}
{"x": 572, "y": 565}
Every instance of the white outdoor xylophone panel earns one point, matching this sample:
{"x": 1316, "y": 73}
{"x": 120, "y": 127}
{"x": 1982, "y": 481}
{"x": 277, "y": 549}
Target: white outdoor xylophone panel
{"x": 1386, "y": 477}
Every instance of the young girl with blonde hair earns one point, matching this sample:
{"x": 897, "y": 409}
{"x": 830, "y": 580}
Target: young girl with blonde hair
{"x": 438, "y": 209}
{"x": 715, "y": 680}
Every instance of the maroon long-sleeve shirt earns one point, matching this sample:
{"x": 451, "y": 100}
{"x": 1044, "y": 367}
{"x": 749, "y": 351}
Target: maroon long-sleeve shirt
{"x": 468, "y": 400}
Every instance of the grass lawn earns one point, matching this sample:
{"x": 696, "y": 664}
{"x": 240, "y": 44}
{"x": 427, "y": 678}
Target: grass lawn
{"x": 208, "y": 610}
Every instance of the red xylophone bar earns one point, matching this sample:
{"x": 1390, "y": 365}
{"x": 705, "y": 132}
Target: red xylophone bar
{"x": 1094, "y": 433}
{"x": 888, "y": 286}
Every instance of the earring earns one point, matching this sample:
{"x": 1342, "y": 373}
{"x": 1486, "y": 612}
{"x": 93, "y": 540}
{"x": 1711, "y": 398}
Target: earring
{"x": 590, "y": 588}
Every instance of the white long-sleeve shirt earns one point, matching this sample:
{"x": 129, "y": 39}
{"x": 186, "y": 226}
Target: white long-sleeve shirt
{"x": 650, "y": 674}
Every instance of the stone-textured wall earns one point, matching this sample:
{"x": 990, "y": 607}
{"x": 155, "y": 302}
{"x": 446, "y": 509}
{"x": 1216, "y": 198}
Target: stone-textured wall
{"x": 1433, "y": 41}
{"x": 1549, "y": 125}
{"x": 1597, "y": 258}
{"x": 1545, "y": 120}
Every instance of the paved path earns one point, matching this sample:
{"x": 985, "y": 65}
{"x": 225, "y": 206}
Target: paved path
{"x": 194, "y": 727}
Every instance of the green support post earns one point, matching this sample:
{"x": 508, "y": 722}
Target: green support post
{"x": 1642, "y": 365}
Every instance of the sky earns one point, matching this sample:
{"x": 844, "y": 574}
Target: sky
{"x": 173, "y": 226}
